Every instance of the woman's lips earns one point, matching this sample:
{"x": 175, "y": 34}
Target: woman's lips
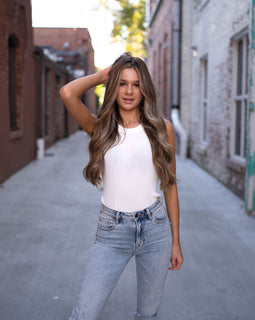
{"x": 128, "y": 100}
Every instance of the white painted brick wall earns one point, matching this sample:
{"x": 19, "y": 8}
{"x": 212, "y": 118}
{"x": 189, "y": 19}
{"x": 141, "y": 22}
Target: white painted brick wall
{"x": 213, "y": 28}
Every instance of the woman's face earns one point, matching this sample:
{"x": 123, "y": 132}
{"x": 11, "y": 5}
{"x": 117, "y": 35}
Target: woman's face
{"x": 129, "y": 94}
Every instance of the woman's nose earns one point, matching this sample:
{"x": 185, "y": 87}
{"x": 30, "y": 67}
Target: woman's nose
{"x": 129, "y": 89}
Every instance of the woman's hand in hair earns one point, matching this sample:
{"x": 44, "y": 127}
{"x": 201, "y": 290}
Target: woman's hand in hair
{"x": 105, "y": 74}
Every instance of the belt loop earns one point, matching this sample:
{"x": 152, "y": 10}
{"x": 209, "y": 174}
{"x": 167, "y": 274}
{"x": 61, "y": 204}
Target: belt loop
{"x": 148, "y": 213}
{"x": 117, "y": 217}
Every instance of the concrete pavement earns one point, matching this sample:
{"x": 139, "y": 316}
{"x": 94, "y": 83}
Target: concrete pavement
{"x": 48, "y": 219}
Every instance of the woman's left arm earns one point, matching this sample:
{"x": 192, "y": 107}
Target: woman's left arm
{"x": 172, "y": 206}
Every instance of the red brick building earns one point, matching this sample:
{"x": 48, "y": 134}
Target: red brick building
{"x": 31, "y": 108}
{"x": 73, "y": 48}
{"x": 159, "y": 50}
{"x": 53, "y": 121}
{"x": 17, "y": 78}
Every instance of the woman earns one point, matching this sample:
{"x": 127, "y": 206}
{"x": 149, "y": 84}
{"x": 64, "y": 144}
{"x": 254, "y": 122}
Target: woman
{"x": 131, "y": 147}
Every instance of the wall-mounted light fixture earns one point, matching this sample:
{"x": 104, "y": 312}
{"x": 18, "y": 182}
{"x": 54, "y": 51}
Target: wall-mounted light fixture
{"x": 194, "y": 51}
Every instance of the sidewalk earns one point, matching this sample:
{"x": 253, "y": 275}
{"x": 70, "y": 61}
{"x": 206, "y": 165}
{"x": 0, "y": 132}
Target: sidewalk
{"x": 48, "y": 219}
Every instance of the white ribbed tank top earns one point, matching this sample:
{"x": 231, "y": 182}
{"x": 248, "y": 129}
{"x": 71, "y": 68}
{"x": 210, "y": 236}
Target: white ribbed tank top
{"x": 129, "y": 178}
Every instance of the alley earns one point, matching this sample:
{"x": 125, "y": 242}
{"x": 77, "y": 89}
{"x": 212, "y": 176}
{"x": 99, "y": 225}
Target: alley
{"x": 48, "y": 219}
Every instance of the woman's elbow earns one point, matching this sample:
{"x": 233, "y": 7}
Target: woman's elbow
{"x": 65, "y": 93}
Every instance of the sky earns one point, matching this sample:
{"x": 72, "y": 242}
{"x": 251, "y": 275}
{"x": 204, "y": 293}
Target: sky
{"x": 81, "y": 14}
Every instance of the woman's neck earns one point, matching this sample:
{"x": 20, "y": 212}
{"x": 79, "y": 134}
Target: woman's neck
{"x": 130, "y": 120}
{"x": 130, "y": 124}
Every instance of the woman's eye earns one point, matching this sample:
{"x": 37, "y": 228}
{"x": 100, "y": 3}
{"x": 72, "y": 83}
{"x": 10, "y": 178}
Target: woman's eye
{"x": 122, "y": 84}
{"x": 137, "y": 85}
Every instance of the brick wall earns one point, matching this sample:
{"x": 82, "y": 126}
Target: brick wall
{"x": 17, "y": 146}
{"x": 53, "y": 121}
{"x": 159, "y": 51}
{"x": 29, "y": 85}
{"x": 215, "y": 26}
{"x": 71, "y": 40}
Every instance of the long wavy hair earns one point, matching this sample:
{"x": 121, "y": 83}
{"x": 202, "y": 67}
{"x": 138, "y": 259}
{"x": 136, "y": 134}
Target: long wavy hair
{"x": 105, "y": 133}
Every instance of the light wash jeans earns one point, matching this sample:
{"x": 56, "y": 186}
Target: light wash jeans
{"x": 144, "y": 234}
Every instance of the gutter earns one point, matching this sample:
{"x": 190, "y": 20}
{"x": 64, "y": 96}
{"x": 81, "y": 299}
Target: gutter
{"x": 181, "y": 132}
{"x": 175, "y": 110}
{"x": 154, "y": 11}
{"x": 40, "y": 143}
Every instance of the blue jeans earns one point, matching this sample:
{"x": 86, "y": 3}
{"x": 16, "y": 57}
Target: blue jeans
{"x": 144, "y": 234}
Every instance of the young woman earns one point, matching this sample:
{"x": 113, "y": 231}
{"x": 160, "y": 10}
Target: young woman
{"x": 131, "y": 148}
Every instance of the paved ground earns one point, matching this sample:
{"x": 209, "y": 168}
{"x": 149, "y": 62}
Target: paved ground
{"x": 48, "y": 218}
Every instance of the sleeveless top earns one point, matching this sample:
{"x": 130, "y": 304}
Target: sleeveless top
{"x": 129, "y": 178}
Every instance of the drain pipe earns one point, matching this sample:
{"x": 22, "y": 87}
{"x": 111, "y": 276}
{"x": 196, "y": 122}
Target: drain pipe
{"x": 40, "y": 143}
{"x": 175, "y": 110}
{"x": 181, "y": 132}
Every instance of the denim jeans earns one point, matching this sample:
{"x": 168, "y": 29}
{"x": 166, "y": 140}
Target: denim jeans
{"x": 144, "y": 234}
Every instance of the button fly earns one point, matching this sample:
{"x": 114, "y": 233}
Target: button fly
{"x": 138, "y": 214}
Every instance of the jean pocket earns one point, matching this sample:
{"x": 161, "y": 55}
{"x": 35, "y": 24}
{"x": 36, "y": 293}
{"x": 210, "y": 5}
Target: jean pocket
{"x": 106, "y": 222}
{"x": 160, "y": 216}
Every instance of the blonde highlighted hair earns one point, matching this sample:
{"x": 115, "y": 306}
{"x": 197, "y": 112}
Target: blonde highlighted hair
{"x": 105, "y": 133}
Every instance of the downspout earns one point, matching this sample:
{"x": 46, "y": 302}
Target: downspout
{"x": 40, "y": 139}
{"x": 250, "y": 155}
{"x": 175, "y": 110}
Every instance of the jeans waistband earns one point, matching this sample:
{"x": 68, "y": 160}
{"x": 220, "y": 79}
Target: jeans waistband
{"x": 131, "y": 215}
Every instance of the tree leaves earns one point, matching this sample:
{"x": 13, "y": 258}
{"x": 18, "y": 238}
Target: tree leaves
{"x": 128, "y": 25}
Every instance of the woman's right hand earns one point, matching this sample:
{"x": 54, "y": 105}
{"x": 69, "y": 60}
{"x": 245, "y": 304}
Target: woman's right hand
{"x": 105, "y": 74}
{"x": 72, "y": 91}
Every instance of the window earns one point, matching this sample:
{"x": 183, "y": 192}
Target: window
{"x": 12, "y": 45}
{"x": 46, "y": 101}
{"x": 203, "y": 99}
{"x": 16, "y": 68}
{"x": 240, "y": 97}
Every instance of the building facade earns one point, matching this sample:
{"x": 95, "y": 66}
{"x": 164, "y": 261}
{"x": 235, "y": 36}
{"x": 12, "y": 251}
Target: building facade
{"x": 159, "y": 50}
{"x": 71, "y": 47}
{"x": 216, "y": 93}
{"x": 31, "y": 109}
{"x": 52, "y": 121}
{"x": 219, "y": 50}
{"x": 17, "y": 79}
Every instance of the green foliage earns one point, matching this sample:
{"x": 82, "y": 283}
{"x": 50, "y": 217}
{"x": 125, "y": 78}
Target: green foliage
{"x": 128, "y": 24}
{"x": 100, "y": 91}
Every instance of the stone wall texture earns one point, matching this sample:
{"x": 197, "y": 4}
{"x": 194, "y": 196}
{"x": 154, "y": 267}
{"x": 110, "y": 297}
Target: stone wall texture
{"x": 215, "y": 24}
{"x": 209, "y": 33}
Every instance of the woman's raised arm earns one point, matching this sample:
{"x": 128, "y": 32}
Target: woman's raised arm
{"x": 71, "y": 93}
